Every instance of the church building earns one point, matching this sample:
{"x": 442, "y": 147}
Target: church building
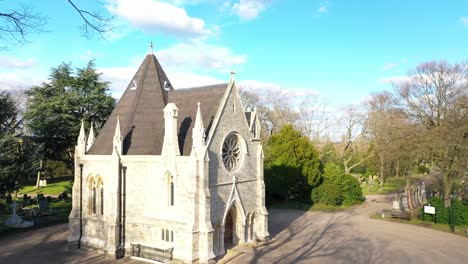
{"x": 173, "y": 175}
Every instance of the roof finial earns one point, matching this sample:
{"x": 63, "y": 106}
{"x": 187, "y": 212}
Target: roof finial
{"x": 151, "y": 47}
{"x": 232, "y": 74}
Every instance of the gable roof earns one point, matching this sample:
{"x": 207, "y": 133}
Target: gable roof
{"x": 186, "y": 100}
{"x": 142, "y": 117}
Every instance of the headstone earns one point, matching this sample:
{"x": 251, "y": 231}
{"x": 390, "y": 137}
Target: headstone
{"x": 404, "y": 202}
{"x": 15, "y": 221}
{"x": 423, "y": 193}
{"x": 43, "y": 205}
{"x": 396, "y": 203}
{"x": 42, "y": 183}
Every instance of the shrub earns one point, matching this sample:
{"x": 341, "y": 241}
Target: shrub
{"x": 351, "y": 189}
{"x": 337, "y": 188}
{"x": 443, "y": 214}
{"x": 327, "y": 193}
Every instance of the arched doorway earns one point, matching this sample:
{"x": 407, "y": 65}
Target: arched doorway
{"x": 230, "y": 229}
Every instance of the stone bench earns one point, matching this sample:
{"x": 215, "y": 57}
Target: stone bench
{"x": 396, "y": 214}
{"x": 152, "y": 252}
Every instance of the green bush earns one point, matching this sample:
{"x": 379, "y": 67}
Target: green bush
{"x": 351, "y": 189}
{"x": 327, "y": 193}
{"x": 443, "y": 214}
{"x": 337, "y": 188}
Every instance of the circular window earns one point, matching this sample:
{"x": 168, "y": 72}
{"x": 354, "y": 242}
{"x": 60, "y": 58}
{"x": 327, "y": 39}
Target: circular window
{"x": 231, "y": 152}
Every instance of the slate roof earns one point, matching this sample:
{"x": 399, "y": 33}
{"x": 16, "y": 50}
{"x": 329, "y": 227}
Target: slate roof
{"x": 142, "y": 116}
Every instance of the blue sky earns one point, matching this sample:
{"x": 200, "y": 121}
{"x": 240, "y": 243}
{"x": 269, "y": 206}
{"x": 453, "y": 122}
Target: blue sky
{"x": 339, "y": 50}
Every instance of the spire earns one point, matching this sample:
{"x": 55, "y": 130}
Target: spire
{"x": 198, "y": 132}
{"x": 151, "y": 47}
{"x": 81, "y": 144}
{"x": 117, "y": 141}
{"x": 91, "y": 138}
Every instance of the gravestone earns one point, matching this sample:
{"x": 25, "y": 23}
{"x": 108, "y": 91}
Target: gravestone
{"x": 423, "y": 193}
{"x": 43, "y": 205}
{"x": 404, "y": 202}
{"x": 15, "y": 221}
{"x": 396, "y": 203}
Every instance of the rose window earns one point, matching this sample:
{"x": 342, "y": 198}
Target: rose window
{"x": 231, "y": 152}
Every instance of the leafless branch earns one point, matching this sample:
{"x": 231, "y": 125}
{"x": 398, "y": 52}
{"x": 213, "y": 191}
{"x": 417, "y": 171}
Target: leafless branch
{"x": 93, "y": 22}
{"x": 15, "y": 25}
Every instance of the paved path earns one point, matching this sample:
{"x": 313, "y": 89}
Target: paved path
{"x": 302, "y": 237}
{"x": 352, "y": 237}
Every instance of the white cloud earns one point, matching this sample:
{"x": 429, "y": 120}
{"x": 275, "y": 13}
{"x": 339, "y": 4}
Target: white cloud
{"x": 17, "y": 81}
{"x": 9, "y": 62}
{"x": 394, "y": 79}
{"x": 198, "y": 54}
{"x": 157, "y": 16}
{"x": 248, "y": 9}
{"x": 265, "y": 90}
{"x": 89, "y": 55}
{"x": 323, "y": 8}
{"x": 390, "y": 66}
{"x": 464, "y": 21}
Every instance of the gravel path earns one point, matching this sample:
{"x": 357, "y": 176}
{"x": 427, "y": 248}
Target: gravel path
{"x": 301, "y": 237}
{"x": 352, "y": 237}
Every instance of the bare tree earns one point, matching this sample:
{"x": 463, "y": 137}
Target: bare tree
{"x": 435, "y": 96}
{"x": 354, "y": 131}
{"x": 17, "y": 24}
{"x": 314, "y": 119}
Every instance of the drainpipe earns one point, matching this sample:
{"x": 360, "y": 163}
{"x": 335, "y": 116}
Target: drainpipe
{"x": 81, "y": 205}
{"x": 124, "y": 207}
{"x": 119, "y": 251}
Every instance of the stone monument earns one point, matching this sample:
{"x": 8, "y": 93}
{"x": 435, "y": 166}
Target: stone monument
{"x": 15, "y": 221}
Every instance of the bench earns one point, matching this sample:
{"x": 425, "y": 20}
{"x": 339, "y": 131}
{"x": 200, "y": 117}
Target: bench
{"x": 396, "y": 214}
{"x": 152, "y": 252}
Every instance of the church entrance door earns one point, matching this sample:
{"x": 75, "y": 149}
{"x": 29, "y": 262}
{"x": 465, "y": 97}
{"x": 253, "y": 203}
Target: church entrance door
{"x": 229, "y": 229}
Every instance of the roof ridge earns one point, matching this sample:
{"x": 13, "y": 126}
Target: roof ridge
{"x": 201, "y": 86}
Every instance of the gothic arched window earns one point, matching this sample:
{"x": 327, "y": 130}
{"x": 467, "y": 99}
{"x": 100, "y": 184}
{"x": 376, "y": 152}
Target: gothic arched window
{"x": 171, "y": 191}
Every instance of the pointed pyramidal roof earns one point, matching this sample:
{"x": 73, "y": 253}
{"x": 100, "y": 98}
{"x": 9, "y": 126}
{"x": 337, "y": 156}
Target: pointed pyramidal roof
{"x": 141, "y": 112}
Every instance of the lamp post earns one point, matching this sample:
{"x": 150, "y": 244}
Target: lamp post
{"x": 452, "y": 212}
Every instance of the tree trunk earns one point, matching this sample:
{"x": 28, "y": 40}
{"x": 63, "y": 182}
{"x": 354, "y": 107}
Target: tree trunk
{"x": 39, "y": 174}
{"x": 381, "y": 171}
{"x": 397, "y": 169}
{"x": 447, "y": 191}
{"x": 409, "y": 196}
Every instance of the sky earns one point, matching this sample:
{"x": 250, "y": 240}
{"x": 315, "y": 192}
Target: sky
{"x": 339, "y": 51}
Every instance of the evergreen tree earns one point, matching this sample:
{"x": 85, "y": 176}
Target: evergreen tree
{"x": 55, "y": 108}
{"x": 17, "y": 155}
{"x": 292, "y": 164}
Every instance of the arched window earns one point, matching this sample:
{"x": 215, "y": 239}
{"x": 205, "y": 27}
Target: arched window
{"x": 171, "y": 191}
{"x": 102, "y": 200}
{"x": 91, "y": 195}
{"x": 94, "y": 200}
{"x": 100, "y": 187}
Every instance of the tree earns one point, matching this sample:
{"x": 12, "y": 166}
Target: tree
{"x": 17, "y": 24}
{"x": 17, "y": 154}
{"x": 435, "y": 97}
{"x": 355, "y": 130}
{"x": 292, "y": 160}
{"x": 8, "y": 114}
{"x": 56, "y": 108}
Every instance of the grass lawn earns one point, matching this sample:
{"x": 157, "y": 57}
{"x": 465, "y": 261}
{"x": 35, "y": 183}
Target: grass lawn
{"x": 391, "y": 185}
{"x": 459, "y": 230}
{"x": 291, "y": 204}
{"x": 63, "y": 209}
{"x": 51, "y": 189}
